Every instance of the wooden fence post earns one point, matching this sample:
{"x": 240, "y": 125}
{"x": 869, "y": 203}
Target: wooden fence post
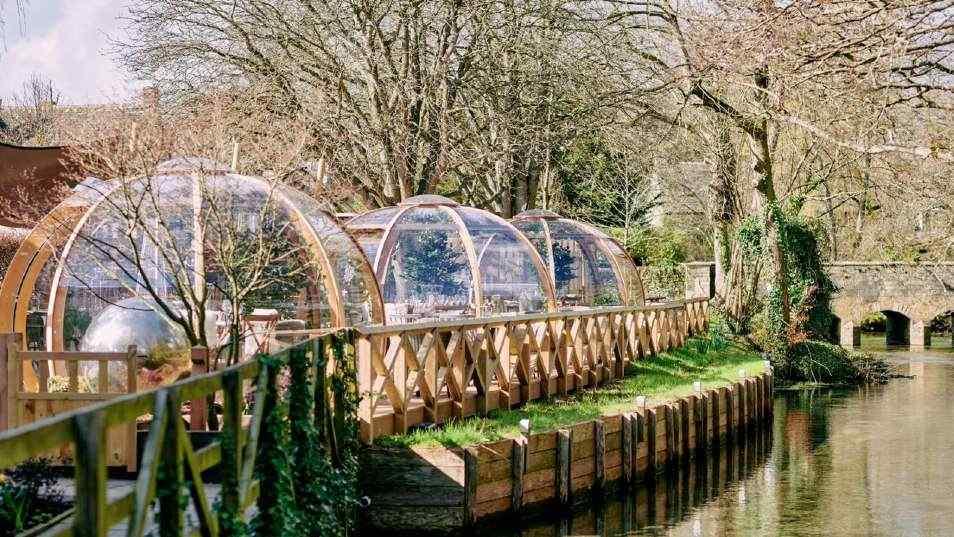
{"x": 172, "y": 472}
{"x": 518, "y": 464}
{"x": 14, "y": 382}
{"x": 199, "y": 414}
{"x": 5, "y": 381}
{"x": 564, "y": 460}
{"x": 132, "y": 386}
{"x": 90, "y": 473}
{"x": 231, "y": 467}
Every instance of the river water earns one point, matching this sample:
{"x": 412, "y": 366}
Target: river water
{"x": 876, "y": 460}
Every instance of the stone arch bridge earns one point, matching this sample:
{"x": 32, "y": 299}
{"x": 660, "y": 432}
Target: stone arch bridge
{"x": 911, "y": 295}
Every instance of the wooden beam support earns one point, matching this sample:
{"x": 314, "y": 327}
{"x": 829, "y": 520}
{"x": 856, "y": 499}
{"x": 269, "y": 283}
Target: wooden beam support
{"x": 627, "y": 447}
{"x": 564, "y": 459}
{"x": 518, "y": 463}
{"x": 599, "y": 453}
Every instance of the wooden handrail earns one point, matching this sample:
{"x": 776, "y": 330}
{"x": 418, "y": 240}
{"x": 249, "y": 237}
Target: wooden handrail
{"x": 437, "y": 371}
{"x": 167, "y": 443}
{"x": 405, "y": 373}
{"x": 498, "y": 320}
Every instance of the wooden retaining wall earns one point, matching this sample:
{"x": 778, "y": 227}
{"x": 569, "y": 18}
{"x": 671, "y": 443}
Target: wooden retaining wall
{"x": 438, "y": 489}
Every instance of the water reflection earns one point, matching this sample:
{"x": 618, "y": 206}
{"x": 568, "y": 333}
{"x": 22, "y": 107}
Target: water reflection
{"x": 864, "y": 461}
{"x": 669, "y": 501}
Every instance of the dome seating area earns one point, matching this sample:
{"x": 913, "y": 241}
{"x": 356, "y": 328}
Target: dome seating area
{"x": 148, "y": 262}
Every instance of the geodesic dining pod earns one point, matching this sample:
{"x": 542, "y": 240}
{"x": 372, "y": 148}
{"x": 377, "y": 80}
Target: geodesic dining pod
{"x": 588, "y": 267}
{"x": 435, "y": 259}
{"x": 111, "y": 265}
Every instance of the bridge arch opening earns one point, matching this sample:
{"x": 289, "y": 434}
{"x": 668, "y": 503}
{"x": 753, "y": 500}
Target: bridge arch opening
{"x": 939, "y": 331}
{"x": 893, "y": 328}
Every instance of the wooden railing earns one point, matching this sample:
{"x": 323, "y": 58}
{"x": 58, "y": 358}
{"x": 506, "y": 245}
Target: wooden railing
{"x": 433, "y": 372}
{"x": 27, "y": 406}
{"x": 168, "y": 450}
{"x": 406, "y": 375}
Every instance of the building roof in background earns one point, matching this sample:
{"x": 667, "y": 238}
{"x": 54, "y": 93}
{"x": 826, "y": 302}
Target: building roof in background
{"x": 39, "y": 172}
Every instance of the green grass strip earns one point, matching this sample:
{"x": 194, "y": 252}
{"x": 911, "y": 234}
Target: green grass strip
{"x": 664, "y": 377}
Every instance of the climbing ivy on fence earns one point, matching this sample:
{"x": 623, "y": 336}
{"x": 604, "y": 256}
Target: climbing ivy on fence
{"x": 308, "y": 446}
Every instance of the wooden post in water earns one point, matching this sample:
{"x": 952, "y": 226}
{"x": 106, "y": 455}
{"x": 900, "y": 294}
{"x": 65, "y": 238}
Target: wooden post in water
{"x": 729, "y": 416}
{"x": 654, "y": 464}
{"x": 639, "y": 436}
{"x": 599, "y": 453}
{"x": 518, "y": 461}
{"x": 626, "y": 447}
{"x": 564, "y": 459}
{"x": 470, "y": 486}
{"x": 684, "y": 418}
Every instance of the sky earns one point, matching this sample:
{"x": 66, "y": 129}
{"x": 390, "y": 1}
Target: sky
{"x": 67, "y": 42}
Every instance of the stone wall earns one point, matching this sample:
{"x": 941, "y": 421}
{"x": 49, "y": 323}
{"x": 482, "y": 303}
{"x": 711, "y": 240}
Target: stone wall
{"x": 700, "y": 279}
{"x": 919, "y": 292}
{"x": 912, "y": 295}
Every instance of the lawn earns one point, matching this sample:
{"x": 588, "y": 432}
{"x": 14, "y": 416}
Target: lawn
{"x": 711, "y": 359}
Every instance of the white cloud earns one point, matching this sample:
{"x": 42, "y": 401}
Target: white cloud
{"x": 71, "y": 49}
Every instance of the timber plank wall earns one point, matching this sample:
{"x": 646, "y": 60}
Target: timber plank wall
{"x": 445, "y": 490}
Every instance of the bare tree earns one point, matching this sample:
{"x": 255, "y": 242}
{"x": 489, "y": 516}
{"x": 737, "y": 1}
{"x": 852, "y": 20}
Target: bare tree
{"x": 30, "y": 118}
{"x": 171, "y": 227}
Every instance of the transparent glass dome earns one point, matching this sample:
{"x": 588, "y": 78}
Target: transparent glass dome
{"x": 588, "y": 267}
{"x": 435, "y": 259}
{"x": 126, "y": 264}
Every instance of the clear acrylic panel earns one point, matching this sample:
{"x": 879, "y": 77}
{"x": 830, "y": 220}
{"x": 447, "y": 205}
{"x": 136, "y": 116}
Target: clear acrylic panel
{"x": 583, "y": 271}
{"x": 510, "y": 279}
{"x": 427, "y": 272}
{"x": 117, "y": 276}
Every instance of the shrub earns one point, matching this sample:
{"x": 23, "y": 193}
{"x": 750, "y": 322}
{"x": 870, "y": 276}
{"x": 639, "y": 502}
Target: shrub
{"x": 817, "y": 361}
{"x": 28, "y": 497}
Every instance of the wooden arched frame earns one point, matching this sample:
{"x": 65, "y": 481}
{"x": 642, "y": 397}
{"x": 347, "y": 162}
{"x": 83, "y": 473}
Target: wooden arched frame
{"x": 31, "y": 257}
{"x": 320, "y": 253}
{"x": 56, "y": 308}
{"x": 549, "y": 287}
{"x": 600, "y": 240}
{"x": 389, "y": 239}
{"x": 621, "y": 260}
{"x": 57, "y": 302}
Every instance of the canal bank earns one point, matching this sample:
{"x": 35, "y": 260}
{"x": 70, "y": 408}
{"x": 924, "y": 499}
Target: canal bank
{"x": 441, "y": 489}
{"x": 859, "y": 461}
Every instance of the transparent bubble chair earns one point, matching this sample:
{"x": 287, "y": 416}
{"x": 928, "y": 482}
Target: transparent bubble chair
{"x": 437, "y": 260}
{"x": 587, "y": 267}
{"x": 118, "y": 262}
